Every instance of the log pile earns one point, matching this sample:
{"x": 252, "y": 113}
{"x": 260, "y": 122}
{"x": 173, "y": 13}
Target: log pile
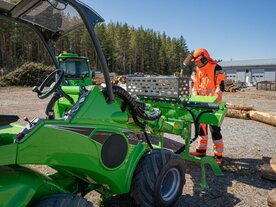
{"x": 116, "y": 80}
{"x": 239, "y": 111}
{"x": 28, "y": 74}
{"x": 119, "y": 80}
{"x": 232, "y": 86}
{"x": 247, "y": 111}
{"x": 98, "y": 80}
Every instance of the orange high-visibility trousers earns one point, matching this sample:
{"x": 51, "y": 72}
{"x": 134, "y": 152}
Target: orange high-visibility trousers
{"x": 203, "y": 140}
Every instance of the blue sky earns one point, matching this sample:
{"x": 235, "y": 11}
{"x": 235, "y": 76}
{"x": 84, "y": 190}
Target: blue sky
{"x": 233, "y": 29}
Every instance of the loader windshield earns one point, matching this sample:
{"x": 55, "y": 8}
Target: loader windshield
{"x": 46, "y": 15}
{"x": 75, "y": 68}
{"x": 52, "y": 15}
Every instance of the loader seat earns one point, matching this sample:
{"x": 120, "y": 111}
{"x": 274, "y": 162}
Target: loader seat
{"x": 7, "y": 119}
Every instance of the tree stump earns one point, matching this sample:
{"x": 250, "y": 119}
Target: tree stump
{"x": 268, "y": 169}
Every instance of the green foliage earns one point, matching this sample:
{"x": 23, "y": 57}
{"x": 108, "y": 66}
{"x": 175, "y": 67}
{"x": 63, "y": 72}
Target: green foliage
{"x": 127, "y": 49}
{"x": 29, "y": 74}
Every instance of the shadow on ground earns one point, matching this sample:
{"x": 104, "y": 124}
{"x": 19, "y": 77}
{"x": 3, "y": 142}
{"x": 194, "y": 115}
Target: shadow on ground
{"x": 220, "y": 188}
{"x": 221, "y": 191}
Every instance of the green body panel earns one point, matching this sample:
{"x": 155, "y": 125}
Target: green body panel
{"x": 21, "y": 186}
{"x": 99, "y": 111}
{"x": 63, "y": 105}
{"x": 77, "y": 154}
{"x": 8, "y": 154}
{"x": 203, "y": 99}
{"x": 8, "y": 132}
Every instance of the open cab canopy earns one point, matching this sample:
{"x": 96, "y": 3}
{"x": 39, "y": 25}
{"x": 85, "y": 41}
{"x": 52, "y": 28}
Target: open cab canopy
{"x": 52, "y": 15}
{"x": 51, "y": 19}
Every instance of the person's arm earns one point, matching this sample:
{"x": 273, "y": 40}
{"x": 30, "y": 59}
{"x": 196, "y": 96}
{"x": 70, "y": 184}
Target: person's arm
{"x": 219, "y": 83}
{"x": 194, "y": 78}
{"x": 219, "y": 79}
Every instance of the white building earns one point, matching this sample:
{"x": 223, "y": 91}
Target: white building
{"x": 250, "y": 71}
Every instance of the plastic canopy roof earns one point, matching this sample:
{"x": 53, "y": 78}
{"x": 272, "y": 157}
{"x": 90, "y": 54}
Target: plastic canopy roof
{"x": 45, "y": 13}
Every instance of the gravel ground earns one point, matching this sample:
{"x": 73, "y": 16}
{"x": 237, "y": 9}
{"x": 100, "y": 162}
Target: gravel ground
{"x": 247, "y": 142}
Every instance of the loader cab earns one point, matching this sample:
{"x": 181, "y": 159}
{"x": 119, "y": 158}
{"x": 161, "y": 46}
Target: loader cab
{"x": 77, "y": 77}
{"x": 76, "y": 68}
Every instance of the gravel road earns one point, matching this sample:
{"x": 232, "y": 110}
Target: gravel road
{"x": 247, "y": 142}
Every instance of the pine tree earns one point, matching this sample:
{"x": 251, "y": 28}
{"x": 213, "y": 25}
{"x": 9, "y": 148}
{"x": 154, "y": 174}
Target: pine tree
{"x": 127, "y": 49}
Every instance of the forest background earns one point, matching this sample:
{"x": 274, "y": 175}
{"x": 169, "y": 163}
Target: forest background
{"x": 127, "y": 49}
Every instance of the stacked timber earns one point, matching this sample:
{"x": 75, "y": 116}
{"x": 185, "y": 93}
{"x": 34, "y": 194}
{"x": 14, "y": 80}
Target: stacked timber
{"x": 28, "y": 74}
{"x": 239, "y": 111}
{"x": 119, "y": 80}
{"x": 232, "y": 86}
{"x": 247, "y": 111}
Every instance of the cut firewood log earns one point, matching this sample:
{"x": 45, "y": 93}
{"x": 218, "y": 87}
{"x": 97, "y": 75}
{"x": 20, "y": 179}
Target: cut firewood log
{"x": 268, "y": 169}
{"x": 244, "y": 107}
{"x": 238, "y": 114}
{"x": 263, "y": 117}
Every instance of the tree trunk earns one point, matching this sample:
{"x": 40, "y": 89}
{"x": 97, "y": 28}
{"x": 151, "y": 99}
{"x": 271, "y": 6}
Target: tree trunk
{"x": 244, "y": 107}
{"x": 238, "y": 114}
{"x": 263, "y": 117}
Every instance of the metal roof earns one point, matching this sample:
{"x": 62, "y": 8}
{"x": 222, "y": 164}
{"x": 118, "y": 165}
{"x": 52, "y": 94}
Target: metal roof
{"x": 256, "y": 62}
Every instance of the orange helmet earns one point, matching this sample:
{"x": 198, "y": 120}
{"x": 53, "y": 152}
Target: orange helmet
{"x": 199, "y": 54}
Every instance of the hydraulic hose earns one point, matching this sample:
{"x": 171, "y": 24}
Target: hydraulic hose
{"x": 137, "y": 108}
{"x": 148, "y": 141}
{"x": 196, "y": 124}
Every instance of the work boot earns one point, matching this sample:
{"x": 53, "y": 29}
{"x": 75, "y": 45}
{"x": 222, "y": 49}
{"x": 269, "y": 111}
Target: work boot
{"x": 198, "y": 153}
{"x": 218, "y": 160}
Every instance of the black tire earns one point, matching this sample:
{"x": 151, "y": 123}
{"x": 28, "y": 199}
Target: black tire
{"x": 158, "y": 179}
{"x": 64, "y": 200}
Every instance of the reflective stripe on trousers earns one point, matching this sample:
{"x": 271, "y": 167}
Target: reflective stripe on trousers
{"x": 218, "y": 147}
{"x": 202, "y": 142}
{"x": 216, "y": 136}
{"x": 202, "y": 138}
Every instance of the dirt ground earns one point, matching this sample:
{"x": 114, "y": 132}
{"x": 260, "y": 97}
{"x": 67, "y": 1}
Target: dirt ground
{"x": 247, "y": 142}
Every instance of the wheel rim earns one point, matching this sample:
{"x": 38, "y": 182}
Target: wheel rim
{"x": 170, "y": 184}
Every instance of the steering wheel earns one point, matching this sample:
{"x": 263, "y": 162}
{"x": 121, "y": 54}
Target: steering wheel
{"x": 44, "y": 93}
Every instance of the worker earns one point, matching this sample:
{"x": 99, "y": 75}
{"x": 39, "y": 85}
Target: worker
{"x": 208, "y": 80}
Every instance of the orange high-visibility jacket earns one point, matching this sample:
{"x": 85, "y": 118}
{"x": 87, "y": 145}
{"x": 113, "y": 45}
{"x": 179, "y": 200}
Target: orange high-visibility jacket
{"x": 209, "y": 81}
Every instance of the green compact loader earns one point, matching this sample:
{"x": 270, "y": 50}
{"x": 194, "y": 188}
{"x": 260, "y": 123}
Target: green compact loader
{"x": 76, "y": 68}
{"x": 95, "y": 142}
